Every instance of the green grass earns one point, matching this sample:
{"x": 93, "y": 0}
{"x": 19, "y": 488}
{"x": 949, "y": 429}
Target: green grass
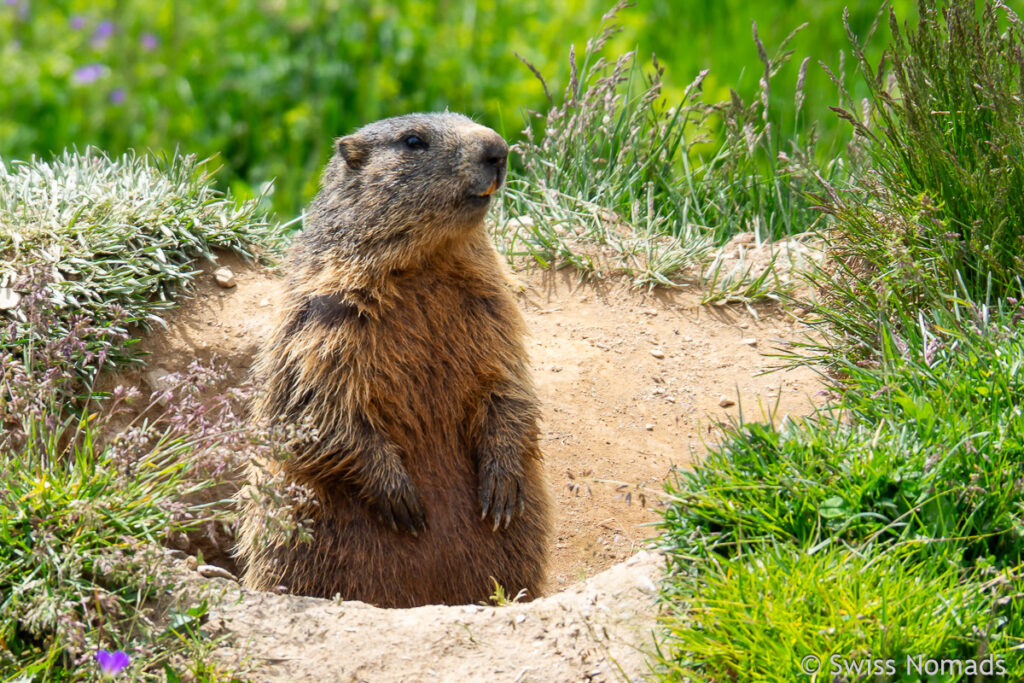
{"x": 116, "y": 239}
{"x": 616, "y": 178}
{"x": 940, "y": 211}
{"x": 889, "y": 524}
{"x": 93, "y": 248}
{"x": 80, "y": 565}
{"x": 267, "y": 86}
{"x": 855, "y": 616}
{"x": 926, "y": 450}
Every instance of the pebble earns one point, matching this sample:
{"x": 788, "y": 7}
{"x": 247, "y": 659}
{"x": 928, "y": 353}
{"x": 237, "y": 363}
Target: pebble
{"x": 264, "y": 302}
{"x": 657, "y": 353}
{"x": 212, "y": 571}
{"x": 749, "y": 341}
{"x": 8, "y": 298}
{"x": 645, "y": 585}
{"x": 191, "y": 562}
{"x": 157, "y": 379}
{"x": 725, "y": 401}
{"x": 649, "y": 427}
{"x": 224, "y": 277}
{"x": 520, "y": 222}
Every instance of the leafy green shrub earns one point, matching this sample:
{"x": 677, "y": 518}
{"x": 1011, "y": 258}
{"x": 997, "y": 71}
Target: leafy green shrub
{"x": 115, "y": 238}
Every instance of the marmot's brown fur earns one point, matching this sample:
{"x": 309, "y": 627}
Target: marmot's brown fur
{"x": 402, "y": 345}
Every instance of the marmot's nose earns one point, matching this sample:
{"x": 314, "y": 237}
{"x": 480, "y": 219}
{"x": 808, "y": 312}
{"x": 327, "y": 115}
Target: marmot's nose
{"x": 494, "y": 152}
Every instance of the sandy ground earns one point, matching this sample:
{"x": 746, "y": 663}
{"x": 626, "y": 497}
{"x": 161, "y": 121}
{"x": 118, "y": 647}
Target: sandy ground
{"x": 598, "y": 630}
{"x": 632, "y": 384}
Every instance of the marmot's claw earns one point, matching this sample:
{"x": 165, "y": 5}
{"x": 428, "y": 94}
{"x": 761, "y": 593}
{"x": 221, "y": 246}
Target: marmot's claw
{"x": 401, "y": 509}
{"x": 501, "y": 496}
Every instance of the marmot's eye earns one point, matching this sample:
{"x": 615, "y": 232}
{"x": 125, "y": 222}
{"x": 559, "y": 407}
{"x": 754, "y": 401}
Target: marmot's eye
{"x": 415, "y": 142}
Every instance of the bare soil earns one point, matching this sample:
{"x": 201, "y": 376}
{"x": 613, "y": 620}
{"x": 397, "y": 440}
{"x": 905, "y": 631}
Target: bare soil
{"x": 632, "y": 384}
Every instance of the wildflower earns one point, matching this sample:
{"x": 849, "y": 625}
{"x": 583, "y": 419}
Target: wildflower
{"x": 117, "y": 96}
{"x": 102, "y": 34}
{"x": 77, "y": 22}
{"x": 112, "y": 662}
{"x": 149, "y": 42}
{"x": 87, "y": 73}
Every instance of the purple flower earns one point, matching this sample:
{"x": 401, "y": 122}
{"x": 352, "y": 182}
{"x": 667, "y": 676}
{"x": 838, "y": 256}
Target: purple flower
{"x": 112, "y": 662}
{"x": 102, "y": 34}
{"x": 148, "y": 41}
{"x": 87, "y": 73}
{"x": 77, "y": 22}
{"x": 117, "y": 96}
{"x": 22, "y": 6}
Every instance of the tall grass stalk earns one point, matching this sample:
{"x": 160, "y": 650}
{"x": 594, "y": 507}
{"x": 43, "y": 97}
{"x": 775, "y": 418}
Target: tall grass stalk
{"x": 612, "y": 167}
{"x": 940, "y": 213}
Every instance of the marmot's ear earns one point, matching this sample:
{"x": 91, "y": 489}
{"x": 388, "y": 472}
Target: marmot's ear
{"x": 353, "y": 150}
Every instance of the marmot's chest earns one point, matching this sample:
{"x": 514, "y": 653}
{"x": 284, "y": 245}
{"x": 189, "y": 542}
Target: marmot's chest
{"x": 428, "y": 364}
{"x": 444, "y": 331}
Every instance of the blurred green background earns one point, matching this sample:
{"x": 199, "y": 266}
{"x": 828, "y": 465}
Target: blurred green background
{"x": 267, "y": 84}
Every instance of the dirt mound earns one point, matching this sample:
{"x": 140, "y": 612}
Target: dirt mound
{"x": 598, "y": 630}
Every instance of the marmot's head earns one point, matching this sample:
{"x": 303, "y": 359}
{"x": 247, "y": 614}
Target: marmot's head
{"x": 411, "y": 181}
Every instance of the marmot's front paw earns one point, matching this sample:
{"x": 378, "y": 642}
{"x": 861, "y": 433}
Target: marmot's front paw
{"x": 398, "y": 503}
{"x": 501, "y": 493}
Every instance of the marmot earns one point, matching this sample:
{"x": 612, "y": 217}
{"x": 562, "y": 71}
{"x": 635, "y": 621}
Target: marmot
{"x": 400, "y": 342}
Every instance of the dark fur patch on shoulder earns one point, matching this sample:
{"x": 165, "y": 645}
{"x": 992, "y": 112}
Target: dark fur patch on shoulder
{"x": 329, "y": 310}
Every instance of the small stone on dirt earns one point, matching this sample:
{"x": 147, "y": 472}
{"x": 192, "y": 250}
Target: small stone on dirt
{"x": 8, "y": 299}
{"x": 212, "y": 571}
{"x": 158, "y": 380}
{"x": 725, "y": 401}
{"x": 520, "y": 222}
{"x": 224, "y": 277}
{"x": 645, "y": 585}
{"x": 749, "y": 341}
{"x": 264, "y": 302}
{"x": 657, "y": 353}
{"x": 649, "y": 427}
